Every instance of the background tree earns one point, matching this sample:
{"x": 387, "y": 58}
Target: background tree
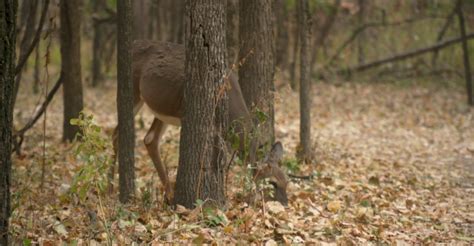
{"x": 7, "y": 80}
{"x": 126, "y": 137}
{"x": 202, "y": 152}
{"x": 70, "y": 36}
{"x": 465, "y": 49}
{"x": 232, "y": 31}
{"x": 305, "y": 82}
{"x": 257, "y": 70}
{"x": 281, "y": 29}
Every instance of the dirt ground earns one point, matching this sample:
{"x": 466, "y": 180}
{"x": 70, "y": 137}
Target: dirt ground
{"x": 394, "y": 165}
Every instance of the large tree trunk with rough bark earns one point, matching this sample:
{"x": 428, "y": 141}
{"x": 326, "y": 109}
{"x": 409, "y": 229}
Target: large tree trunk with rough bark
{"x": 256, "y": 54}
{"x": 126, "y": 136}
{"x": 70, "y": 35}
{"x": 305, "y": 85}
{"x": 202, "y": 156}
{"x": 7, "y": 81}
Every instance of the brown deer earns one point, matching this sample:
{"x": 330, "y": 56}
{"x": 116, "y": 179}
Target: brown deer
{"x": 158, "y": 77}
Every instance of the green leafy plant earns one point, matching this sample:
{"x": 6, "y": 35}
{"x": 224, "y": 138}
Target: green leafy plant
{"x": 292, "y": 165}
{"x": 90, "y": 149}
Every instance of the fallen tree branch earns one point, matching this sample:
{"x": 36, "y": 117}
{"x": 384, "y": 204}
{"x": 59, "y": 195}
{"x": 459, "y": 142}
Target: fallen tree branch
{"x": 406, "y": 55}
{"x": 18, "y": 136}
{"x": 365, "y": 26}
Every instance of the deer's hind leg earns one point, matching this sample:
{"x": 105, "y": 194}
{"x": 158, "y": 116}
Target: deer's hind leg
{"x": 152, "y": 141}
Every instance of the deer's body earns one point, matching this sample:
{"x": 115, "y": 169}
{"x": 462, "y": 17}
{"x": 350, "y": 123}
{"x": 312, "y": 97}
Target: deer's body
{"x": 159, "y": 77}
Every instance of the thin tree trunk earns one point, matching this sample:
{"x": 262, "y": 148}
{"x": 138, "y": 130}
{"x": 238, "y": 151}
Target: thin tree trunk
{"x": 444, "y": 29}
{"x": 178, "y": 20}
{"x": 257, "y": 70}
{"x": 97, "y": 45}
{"x": 202, "y": 155}
{"x": 232, "y": 30}
{"x": 361, "y": 40}
{"x": 465, "y": 49}
{"x": 305, "y": 85}
{"x": 126, "y": 136}
{"x": 296, "y": 41}
{"x": 323, "y": 34}
{"x": 70, "y": 35}
{"x": 37, "y": 72}
{"x": 281, "y": 56}
{"x": 140, "y": 18}
{"x": 8, "y": 10}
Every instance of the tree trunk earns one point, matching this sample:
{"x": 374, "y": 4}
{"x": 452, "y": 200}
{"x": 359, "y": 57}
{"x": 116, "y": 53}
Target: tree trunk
{"x": 178, "y": 20}
{"x": 257, "y": 70}
{"x": 465, "y": 49}
{"x": 140, "y": 18}
{"x": 70, "y": 35}
{"x": 281, "y": 59}
{"x": 296, "y": 41}
{"x": 361, "y": 40}
{"x": 37, "y": 72}
{"x": 97, "y": 41}
{"x": 202, "y": 155}
{"x": 8, "y": 10}
{"x": 232, "y": 30}
{"x": 126, "y": 136}
{"x": 305, "y": 85}
{"x": 28, "y": 16}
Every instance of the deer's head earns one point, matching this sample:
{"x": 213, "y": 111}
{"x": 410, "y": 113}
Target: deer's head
{"x": 270, "y": 169}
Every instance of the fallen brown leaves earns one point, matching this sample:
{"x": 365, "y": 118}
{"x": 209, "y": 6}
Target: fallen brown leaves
{"x": 394, "y": 165}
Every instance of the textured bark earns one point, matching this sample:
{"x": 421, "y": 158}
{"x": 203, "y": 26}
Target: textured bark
{"x": 305, "y": 85}
{"x": 126, "y": 136}
{"x": 465, "y": 49}
{"x": 8, "y": 10}
{"x": 202, "y": 162}
{"x": 70, "y": 35}
{"x": 257, "y": 70}
{"x": 232, "y": 30}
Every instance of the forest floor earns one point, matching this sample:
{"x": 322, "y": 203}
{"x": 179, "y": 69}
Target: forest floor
{"x": 394, "y": 165}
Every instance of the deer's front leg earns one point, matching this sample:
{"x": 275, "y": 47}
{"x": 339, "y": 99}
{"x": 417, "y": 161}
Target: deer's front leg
{"x": 152, "y": 141}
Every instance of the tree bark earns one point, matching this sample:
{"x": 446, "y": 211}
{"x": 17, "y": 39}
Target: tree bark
{"x": 70, "y": 35}
{"x": 257, "y": 70}
{"x": 202, "y": 155}
{"x": 465, "y": 49}
{"x": 8, "y": 10}
{"x": 305, "y": 85}
{"x": 126, "y": 136}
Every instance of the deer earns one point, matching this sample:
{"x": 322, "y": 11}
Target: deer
{"x": 158, "y": 77}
